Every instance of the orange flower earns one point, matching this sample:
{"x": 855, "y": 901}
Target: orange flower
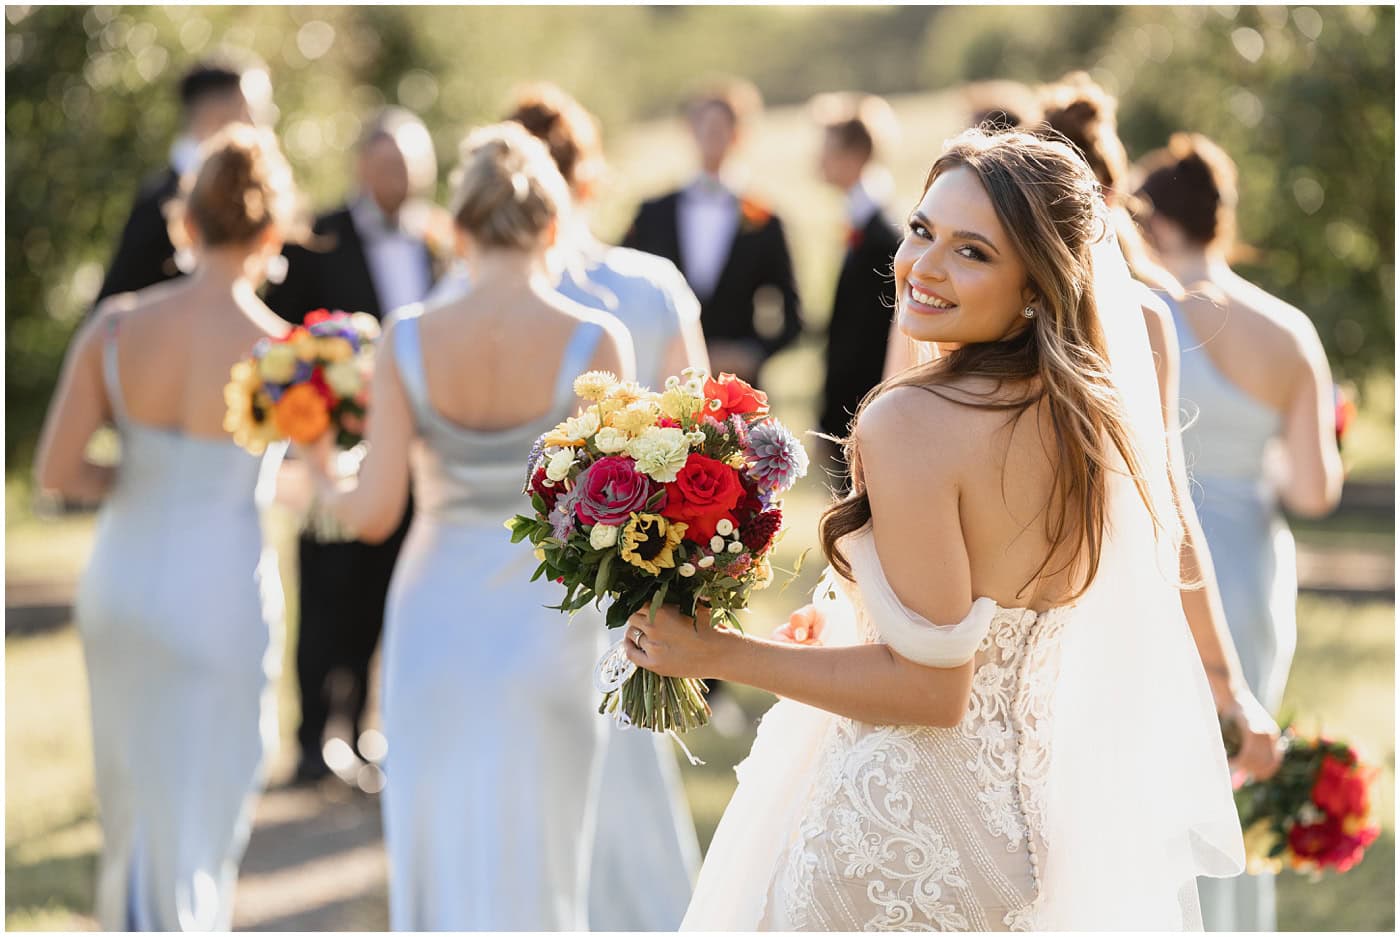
{"x": 755, "y": 213}
{"x": 804, "y": 626}
{"x": 301, "y": 414}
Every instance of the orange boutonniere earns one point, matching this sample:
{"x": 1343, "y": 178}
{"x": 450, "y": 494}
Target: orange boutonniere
{"x": 753, "y": 214}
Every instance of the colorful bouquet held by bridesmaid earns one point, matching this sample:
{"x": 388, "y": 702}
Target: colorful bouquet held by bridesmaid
{"x": 1314, "y": 814}
{"x": 313, "y": 379}
{"x": 648, "y": 498}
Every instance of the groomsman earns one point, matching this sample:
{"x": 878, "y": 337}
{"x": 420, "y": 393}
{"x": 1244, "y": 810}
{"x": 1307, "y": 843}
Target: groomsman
{"x": 213, "y": 94}
{"x": 368, "y": 255}
{"x": 729, "y": 245}
{"x": 858, "y": 131}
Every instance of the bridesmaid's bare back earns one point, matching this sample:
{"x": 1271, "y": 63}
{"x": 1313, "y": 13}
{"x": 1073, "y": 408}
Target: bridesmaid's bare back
{"x": 492, "y": 357}
{"x": 175, "y": 346}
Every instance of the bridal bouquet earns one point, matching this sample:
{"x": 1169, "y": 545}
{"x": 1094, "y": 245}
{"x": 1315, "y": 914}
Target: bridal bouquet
{"x": 314, "y": 379}
{"x": 1314, "y": 814}
{"x": 649, "y": 497}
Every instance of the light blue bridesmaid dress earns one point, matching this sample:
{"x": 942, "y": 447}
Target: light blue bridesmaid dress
{"x": 180, "y": 612}
{"x": 646, "y": 855}
{"x": 1226, "y": 437}
{"x": 495, "y": 745}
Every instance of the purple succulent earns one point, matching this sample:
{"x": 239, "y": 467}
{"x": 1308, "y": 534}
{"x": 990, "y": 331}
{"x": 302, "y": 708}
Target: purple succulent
{"x": 776, "y": 459}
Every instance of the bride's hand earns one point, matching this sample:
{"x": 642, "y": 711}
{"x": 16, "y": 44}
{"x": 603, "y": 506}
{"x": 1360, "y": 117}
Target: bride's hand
{"x": 1260, "y": 751}
{"x": 676, "y": 645}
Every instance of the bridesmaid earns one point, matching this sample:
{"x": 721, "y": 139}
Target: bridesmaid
{"x": 493, "y": 777}
{"x": 1254, "y": 368}
{"x": 180, "y": 600}
{"x": 644, "y": 821}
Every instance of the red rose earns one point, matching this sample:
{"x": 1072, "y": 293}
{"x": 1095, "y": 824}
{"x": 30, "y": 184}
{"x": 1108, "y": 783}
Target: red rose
{"x": 315, "y": 316}
{"x": 729, "y": 395}
{"x": 1342, "y": 789}
{"x": 1328, "y": 845}
{"x": 318, "y": 381}
{"x": 540, "y": 485}
{"x": 705, "y": 491}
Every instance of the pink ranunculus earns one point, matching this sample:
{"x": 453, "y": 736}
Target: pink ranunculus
{"x": 610, "y": 489}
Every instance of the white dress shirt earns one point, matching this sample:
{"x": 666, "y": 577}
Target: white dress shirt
{"x": 866, "y": 198}
{"x": 184, "y": 154}
{"x": 398, "y": 263}
{"x": 707, "y": 215}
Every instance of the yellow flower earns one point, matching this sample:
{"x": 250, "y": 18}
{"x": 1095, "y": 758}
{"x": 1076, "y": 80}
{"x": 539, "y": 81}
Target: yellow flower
{"x": 305, "y": 345}
{"x": 635, "y": 418}
{"x": 679, "y": 404}
{"x": 649, "y": 542}
{"x": 344, "y": 378}
{"x": 245, "y": 375}
{"x": 278, "y": 364}
{"x": 334, "y": 348}
{"x": 249, "y": 419}
{"x": 627, "y": 392}
{"x": 594, "y": 385}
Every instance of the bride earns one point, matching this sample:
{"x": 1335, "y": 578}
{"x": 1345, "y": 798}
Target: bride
{"x": 1051, "y": 758}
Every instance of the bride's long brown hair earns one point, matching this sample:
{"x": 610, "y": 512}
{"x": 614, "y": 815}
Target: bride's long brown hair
{"x": 1048, "y": 202}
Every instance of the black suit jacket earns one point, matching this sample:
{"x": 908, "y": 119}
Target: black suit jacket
{"x": 758, "y": 258}
{"x": 331, "y": 272}
{"x": 860, "y": 322}
{"x": 144, "y": 254}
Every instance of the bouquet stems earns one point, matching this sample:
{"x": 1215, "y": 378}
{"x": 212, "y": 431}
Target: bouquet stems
{"x": 661, "y": 704}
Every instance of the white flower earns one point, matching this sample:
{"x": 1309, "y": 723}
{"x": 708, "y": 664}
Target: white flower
{"x": 705, "y": 562}
{"x": 725, "y": 527}
{"x": 365, "y": 324}
{"x": 736, "y": 547}
{"x": 559, "y": 465}
{"x": 583, "y": 425}
{"x": 660, "y": 452}
{"x": 602, "y": 536}
{"x": 686, "y": 570}
{"x": 344, "y": 378}
{"x": 695, "y": 438}
{"x": 717, "y": 544}
{"x": 611, "y": 441}
{"x": 594, "y": 385}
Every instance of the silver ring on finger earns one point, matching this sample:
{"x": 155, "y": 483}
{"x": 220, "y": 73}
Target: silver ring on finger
{"x": 637, "y": 636}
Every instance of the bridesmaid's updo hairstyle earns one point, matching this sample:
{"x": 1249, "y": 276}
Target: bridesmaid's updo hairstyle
{"x": 243, "y": 185}
{"x": 1194, "y": 183}
{"x": 1086, "y": 115}
{"x": 563, "y": 125}
{"x": 507, "y": 190}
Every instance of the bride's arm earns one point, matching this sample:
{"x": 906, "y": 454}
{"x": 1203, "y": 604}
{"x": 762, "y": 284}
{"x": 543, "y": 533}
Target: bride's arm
{"x": 913, "y": 493}
{"x": 373, "y": 505}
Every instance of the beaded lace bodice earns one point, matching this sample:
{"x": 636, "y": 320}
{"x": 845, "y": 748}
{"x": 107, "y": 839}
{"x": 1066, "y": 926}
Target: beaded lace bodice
{"x": 920, "y": 828}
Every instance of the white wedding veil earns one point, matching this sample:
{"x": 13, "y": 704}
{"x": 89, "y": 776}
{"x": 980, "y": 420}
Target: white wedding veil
{"x": 1137, "y": 798}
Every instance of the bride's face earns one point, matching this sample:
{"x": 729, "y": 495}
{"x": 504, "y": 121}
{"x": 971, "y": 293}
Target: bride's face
{"x": 957, "y": 279}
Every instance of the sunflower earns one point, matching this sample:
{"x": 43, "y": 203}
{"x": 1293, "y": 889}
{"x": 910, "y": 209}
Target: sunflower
{"x": 649, "y": 542}
{"x": 249, "y": 418}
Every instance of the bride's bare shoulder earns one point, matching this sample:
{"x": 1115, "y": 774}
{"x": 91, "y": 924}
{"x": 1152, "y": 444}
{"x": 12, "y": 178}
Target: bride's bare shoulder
{"x": 937, "y": 427}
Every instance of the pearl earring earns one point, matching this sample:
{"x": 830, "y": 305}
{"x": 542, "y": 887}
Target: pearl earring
{"x": 276, "y": 269}
{"x": 1028, "y": 312}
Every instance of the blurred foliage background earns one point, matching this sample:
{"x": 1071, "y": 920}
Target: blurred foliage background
{"x": 1300, "y": 96}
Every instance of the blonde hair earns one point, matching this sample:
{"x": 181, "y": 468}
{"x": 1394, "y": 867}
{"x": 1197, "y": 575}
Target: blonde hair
{"x": 242, "y": 185}
{"x": 1049, "y": 203}
{"x": 507, "y": 189}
